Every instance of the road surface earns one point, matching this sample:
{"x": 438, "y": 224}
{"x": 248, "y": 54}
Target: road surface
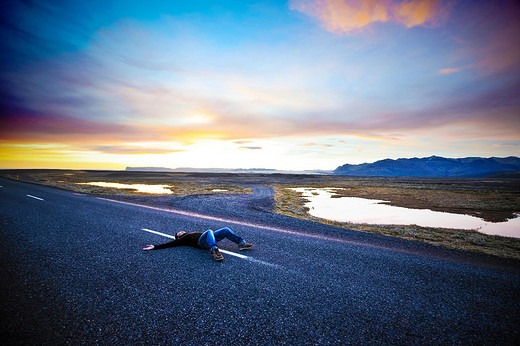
{"x": 73, "y": 272}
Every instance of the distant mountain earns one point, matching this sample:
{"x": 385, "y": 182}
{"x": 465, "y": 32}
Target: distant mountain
{"x": 222, "y": 170}
{"x": 149, "y": 169}
{"x": 434, "y": 166}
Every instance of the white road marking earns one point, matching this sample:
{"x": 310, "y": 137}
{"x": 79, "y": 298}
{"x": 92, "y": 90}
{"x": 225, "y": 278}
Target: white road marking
{"x": 224, "y": 251}
{"x": 234, "y": 254}
{"x": 208, "y": 217}
{"x": 38, "y": 198}
{"x": 248, "y": 224}
{"x": 159, "y": 233}
{"x": 269, "y": 228}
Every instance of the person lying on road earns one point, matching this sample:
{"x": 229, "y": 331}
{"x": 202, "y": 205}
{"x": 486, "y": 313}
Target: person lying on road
{"x": 206, "y": 240}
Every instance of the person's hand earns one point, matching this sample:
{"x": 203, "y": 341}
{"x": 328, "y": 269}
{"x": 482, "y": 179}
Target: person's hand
{"x": 148, "y": 247}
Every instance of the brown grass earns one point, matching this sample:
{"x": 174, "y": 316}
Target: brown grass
{"x": 73, "y": 180}
{"x": 291, "y": 203}
{"x": 491, "y": 199}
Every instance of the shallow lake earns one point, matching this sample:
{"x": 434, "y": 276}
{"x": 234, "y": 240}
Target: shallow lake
{"x": 156, "y": 189}
{"x": 370, "y": 211}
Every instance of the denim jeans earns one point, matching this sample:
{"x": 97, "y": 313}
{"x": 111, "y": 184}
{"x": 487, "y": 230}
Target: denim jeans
{"x": 209, "y": 239}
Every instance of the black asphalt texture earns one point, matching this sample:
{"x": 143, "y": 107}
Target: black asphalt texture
{"x": 73, "y": 272}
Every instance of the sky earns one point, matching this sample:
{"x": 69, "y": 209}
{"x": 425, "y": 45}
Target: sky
{"x": 289, "y": 85}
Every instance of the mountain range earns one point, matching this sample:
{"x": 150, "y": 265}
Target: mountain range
{"x": 435, "y": 166}
{"x": 224, "y": 170}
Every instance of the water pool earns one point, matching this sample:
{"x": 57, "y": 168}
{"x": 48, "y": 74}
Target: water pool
{"x": 155, "y": 189}
{"x": 370, "y": 211}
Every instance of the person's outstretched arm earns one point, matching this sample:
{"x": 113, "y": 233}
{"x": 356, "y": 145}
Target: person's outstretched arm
{"x": 175, "y": 242}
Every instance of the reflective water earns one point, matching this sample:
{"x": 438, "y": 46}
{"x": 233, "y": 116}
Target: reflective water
{"x": 362, "y": 210}
{"x": 155, "y": 189}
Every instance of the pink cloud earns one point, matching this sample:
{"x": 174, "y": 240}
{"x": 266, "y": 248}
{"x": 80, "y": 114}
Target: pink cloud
{"x": 449, "y": 70}
{"x": 353, "y": 16}
{"x": 121, "y": 149}
{"x": 29, "y": 126}
{"x": 504, "y": 145}
{"x": 413, "y": 13}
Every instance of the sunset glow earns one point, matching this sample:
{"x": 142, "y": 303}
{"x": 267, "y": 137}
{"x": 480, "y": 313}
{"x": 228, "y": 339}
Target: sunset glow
{"x": 296, "y": 85}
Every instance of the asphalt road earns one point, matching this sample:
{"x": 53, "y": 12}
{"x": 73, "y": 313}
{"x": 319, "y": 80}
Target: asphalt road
{"x": 73, "y": 272}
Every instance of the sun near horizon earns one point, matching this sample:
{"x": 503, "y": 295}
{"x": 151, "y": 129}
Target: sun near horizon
{"x": 296, "y": 85}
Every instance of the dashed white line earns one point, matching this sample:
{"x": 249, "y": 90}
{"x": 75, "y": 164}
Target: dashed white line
{"x": 224, "y": 251}
{"x": 38, "y": 198}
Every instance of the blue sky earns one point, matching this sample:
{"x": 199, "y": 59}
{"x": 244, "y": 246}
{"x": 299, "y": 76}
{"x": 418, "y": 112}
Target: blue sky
{"x": 303, "y": 84}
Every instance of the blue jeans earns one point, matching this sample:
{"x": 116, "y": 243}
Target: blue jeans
{"x": 209, "y": 239}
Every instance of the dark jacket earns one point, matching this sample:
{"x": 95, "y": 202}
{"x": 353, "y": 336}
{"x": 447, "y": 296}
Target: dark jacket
{"x": 188, "y": 239}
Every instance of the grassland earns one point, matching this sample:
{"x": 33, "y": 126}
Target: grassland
{"x": 291, "y": 203}
{"x": 180, "y": 184}
{"x": 493, "y": 199}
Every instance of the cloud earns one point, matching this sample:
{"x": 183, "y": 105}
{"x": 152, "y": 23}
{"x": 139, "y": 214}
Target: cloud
{"x": 490, "y": 37}
{"x": 494, "y": 113}
{"x": 119, "y": 149}
{"x": 317, "y": 145}
{"x": 117, "y": 90}
{"x": 503, "y": 53}
{"x": 448, "y": 70}
{"x": 505, "y": 145}
{"x": 26, "y": 125}
{"x": 250, "y": 148}
{"x": 29, "y": 124}
{"x": 353, "y": 16}
{"x": 418, "y": 12}
{"x": 343, "y": 16}
{"x": 484, "y": 115}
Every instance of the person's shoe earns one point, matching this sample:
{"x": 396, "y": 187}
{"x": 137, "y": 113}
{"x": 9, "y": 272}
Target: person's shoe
{"x": 245, "y": 246}
{"x": 216, "y": 255}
